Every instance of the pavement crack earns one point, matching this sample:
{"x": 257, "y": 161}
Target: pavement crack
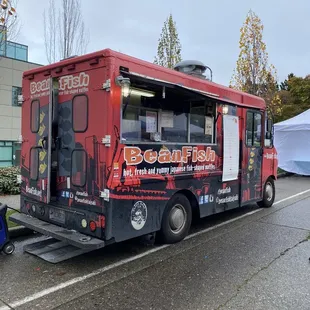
{"x": 5, "y": 305}
{"x": 285, "y": 226}
{"x": 246, "y": 281}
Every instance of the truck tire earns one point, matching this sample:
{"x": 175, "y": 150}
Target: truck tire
{"x": 177, "y": 219}
{"x": 268, "y": 194}
{"x": 8, "y": 248}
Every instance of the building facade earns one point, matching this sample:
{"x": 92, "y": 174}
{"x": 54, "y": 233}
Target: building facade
{"x": 13, "y": 62}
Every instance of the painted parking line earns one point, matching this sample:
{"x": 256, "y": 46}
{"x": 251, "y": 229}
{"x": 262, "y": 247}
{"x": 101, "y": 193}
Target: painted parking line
{"x": 99, "y": 271}
{"x": 291, "y": 197}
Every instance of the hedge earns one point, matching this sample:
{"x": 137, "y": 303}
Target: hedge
{"x": 8, "y": 181}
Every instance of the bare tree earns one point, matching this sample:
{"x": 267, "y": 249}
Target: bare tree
{"x": 9, "y": 24}
{"x": 64, "y": 30}
{"x": 50, "y": 33}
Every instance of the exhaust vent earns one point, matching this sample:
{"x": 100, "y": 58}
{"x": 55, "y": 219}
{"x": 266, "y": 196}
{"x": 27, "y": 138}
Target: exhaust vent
{"x": 193, "y": 67}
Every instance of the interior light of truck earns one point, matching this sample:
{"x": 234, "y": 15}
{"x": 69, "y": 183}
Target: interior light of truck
{"x": 92, "y": 226}
{"x": 139, "y": 92}
{"x": 124, "y": 83}
{"x": 126, "y": 90}
{"x": 84, "y": 223}
{"x": 225, "y": 109}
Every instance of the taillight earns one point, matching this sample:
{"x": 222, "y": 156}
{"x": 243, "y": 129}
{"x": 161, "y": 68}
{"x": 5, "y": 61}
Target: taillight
{"x": 92, "y": 226}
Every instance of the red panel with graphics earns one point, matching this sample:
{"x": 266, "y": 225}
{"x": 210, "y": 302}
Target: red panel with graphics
{"x": 76, "y": 165}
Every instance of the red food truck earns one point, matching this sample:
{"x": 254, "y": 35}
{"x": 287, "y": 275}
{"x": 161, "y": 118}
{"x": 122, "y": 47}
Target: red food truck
{"x": 114, "y": 148}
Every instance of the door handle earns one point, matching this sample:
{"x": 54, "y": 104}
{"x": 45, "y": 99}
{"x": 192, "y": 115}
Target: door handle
{"x": 43, "y": 143}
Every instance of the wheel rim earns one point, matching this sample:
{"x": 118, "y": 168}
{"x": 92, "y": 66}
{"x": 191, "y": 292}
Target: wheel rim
{"x": 269, "y": 191}
{"x": 177, "y": 218}
{"x": 9, "y": 249}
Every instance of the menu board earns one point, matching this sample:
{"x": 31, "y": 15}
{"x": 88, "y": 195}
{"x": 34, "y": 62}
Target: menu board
{"x": 167, "y": 119}
{"x": 151, "y": 121}
{"x": 231, "y": 148}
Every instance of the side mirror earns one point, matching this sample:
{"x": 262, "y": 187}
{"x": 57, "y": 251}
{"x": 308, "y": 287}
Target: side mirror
{"x": 268, "y": 135}
{"x": 269, "y": 125}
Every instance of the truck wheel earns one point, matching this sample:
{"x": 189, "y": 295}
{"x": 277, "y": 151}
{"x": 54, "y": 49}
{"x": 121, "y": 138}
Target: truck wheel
{"x": 9, "y": 248}
{"x": 268, "y": 194}
{"x": 177, "y": 219}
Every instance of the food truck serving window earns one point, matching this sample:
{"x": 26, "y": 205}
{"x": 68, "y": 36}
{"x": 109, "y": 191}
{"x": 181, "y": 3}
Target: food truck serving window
{"x": 201, "y": 122}
{"x": 173, "y": 118}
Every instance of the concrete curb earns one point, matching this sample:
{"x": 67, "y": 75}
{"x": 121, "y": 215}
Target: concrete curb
{"x": 284, "y": 174}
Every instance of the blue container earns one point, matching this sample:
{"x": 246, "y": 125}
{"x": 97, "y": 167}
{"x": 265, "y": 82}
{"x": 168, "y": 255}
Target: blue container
{"x": 5, "y": 244}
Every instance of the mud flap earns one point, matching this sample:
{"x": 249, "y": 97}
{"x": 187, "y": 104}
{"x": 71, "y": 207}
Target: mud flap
{"x": 53, "y": 250}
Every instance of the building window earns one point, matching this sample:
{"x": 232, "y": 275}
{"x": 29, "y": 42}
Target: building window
{"x": 16, "y": 51}
{"x": 16, "y": 91}
{"x": 6, "y": 154}
{"x": 2, "y": 40}
{"x": 9, "y": 153}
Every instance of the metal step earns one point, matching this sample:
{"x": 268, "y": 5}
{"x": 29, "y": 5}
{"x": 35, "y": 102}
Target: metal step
{"x": 74, "y": 238}
{"x": 53, "y": 250}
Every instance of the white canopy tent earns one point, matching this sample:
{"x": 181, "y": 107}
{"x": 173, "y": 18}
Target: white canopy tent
{"x": 292, "y": 142}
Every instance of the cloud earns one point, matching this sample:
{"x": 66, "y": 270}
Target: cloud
{"x": 209, "y": 31}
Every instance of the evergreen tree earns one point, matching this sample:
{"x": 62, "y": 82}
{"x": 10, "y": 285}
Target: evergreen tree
{"x": 169, "y": 46}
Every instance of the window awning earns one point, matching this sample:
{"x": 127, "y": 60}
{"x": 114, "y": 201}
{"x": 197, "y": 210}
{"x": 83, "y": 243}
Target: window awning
{"x": 138, "y": 78}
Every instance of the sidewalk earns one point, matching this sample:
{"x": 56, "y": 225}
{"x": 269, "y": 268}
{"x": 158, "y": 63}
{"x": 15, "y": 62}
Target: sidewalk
{"x": 12, "y": 201}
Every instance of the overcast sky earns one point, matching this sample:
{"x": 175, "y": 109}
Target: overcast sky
{"x": 208, "y": 30}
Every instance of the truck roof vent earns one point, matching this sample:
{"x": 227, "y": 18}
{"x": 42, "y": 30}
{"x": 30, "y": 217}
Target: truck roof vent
{"x": 193, "y": 67}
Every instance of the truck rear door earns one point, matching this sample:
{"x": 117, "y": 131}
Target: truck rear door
{"x": 73, "y": 146}
{"x": 74, "y": 143}
{"x": 64, "y": 158}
